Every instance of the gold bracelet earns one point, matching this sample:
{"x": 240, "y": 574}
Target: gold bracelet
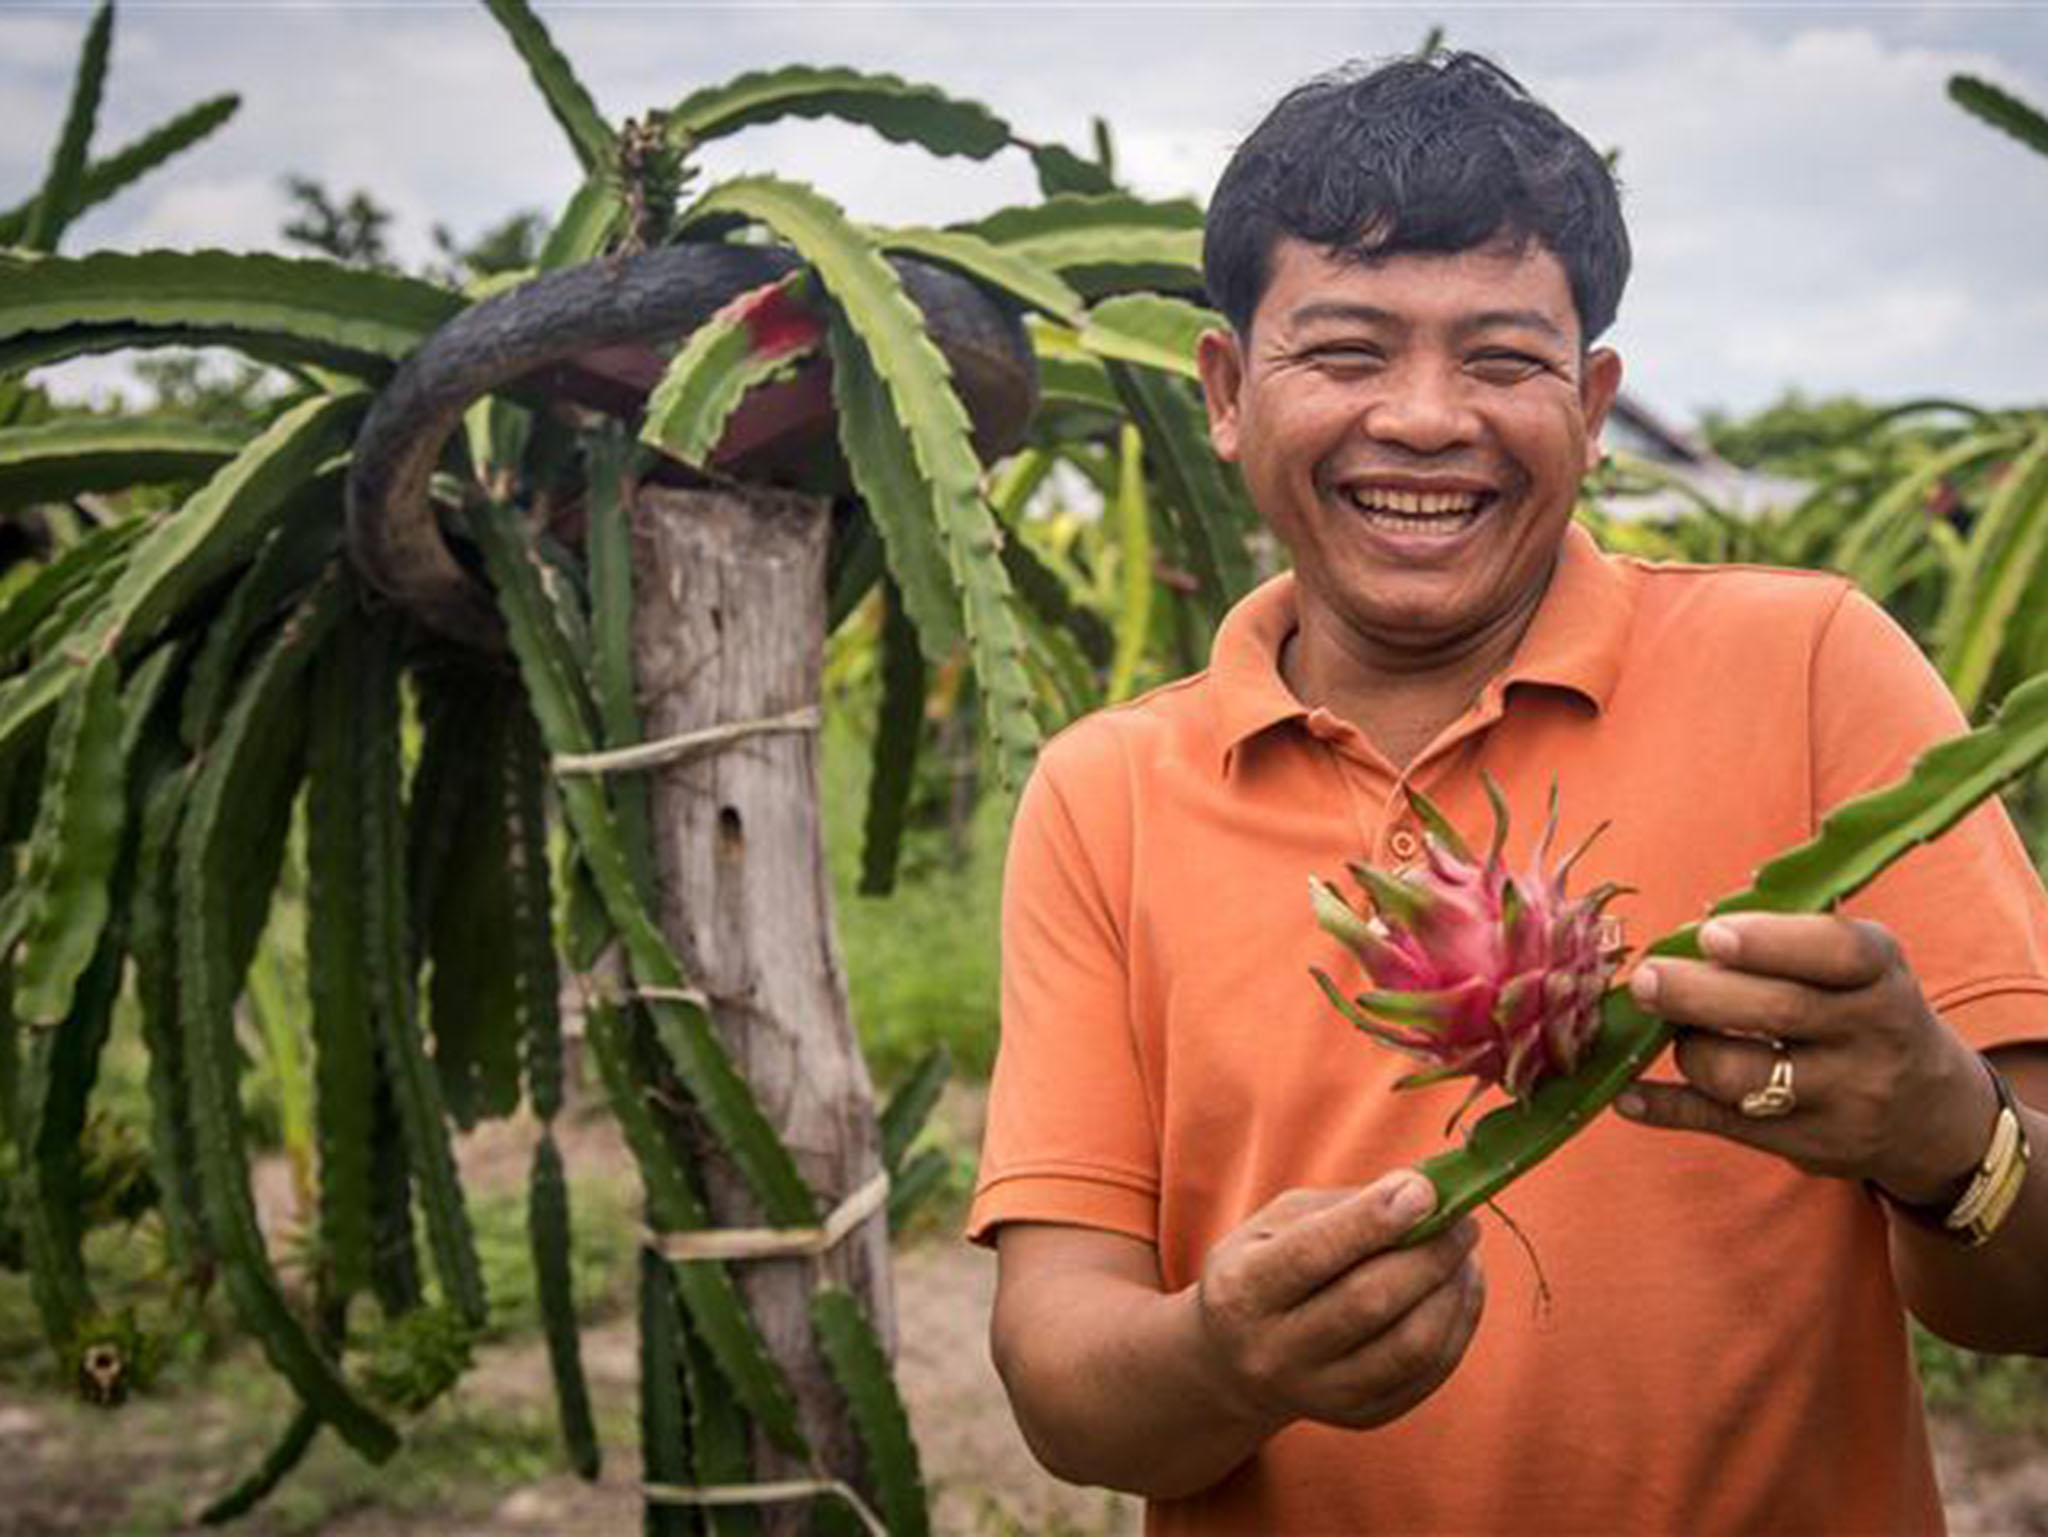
{"x": 1994, "y": 1189}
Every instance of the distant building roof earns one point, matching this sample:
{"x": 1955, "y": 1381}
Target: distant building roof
{"x": 1636, "y": 432}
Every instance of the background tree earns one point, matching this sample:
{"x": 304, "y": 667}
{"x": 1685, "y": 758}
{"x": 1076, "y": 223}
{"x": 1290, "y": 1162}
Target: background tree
{"x": 188, "y": 681}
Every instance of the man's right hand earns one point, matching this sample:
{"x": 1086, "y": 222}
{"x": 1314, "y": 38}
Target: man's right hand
{"x": 1312, "y": 1313}
{"x": 1306, "y": 1311}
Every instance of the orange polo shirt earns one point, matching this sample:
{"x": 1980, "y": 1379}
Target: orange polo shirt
{"x": 1724, "y": 1350}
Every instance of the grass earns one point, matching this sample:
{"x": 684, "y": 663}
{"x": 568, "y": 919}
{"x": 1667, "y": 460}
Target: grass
{"x": 2001, "y": 1393}
{"x": 461, "y": 1457}
{"x": 604, "y": 1272}
{"x": 217, "y": 1404}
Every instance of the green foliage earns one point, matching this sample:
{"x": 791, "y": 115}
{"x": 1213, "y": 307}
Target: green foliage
{"x": 337, "y": 821}
{"x": 549, "y": 1228}
{"x": 2004, "y": 558}
{"x": 209, "y": 389}
{"x": 73, "y": 849}
{"x": 923, "y": 426}
{"x": 511, "y": 245}
{"x": 2000, "y": 1393}
{"x": 1133, "y": 518}
{"x": 1795, "y": 436}
{"x": 77, "y": 455}
{"x": 1104, "y": 242}
{"x": 553, "y": 682}
{"x": 897, "y": 109}
{"x": 1936, "y": 508}
{"x": 417, "y": 1357}
{"x": 862, "y": 1372}
{"x": 278, "y": 1462}
{"x": 59, "y": 198}
{"x": 101, "y": 179}
{"x": 1007, "y": 272}
{"x": 921, "y": 963}
{"x": 275, "y": 308}
{"x": 1152, "y": 329}
{"x": 899, "y": 740}
{"x": 2001, "y": 110}
{"x": 707, "y": 1289}
{"x": 589, "y": 135}
{"x": 350, "y": 232}
{"x": 221, "y": 874}
{"x": 738, "y": 350}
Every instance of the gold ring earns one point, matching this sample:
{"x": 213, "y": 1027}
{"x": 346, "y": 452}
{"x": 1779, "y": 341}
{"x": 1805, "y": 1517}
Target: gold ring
{"x": 1776, "y": 1097}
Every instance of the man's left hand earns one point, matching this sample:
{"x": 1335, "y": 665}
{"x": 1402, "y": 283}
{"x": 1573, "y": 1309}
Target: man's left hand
{"x": 1882, "y": 1090}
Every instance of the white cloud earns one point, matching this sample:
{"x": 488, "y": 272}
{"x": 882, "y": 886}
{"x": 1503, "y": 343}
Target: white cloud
{"x": 1801, "y": 193}
{"x": 1862, "y": 334}
{"x": 35, "y": 44}
{"x": 232, "y": 213}
{"x": 1809, "y": 209}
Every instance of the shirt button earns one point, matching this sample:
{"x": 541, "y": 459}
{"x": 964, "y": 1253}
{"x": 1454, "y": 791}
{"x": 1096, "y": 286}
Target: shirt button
{"x": 1404, "y": 843}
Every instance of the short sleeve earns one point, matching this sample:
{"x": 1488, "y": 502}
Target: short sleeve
{"x": 1069, "y": 1137}
{"x": 1968, "y": 909}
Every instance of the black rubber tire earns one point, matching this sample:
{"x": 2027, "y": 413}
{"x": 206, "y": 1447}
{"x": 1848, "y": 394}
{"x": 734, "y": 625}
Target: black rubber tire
{"x": 529, "y": 332}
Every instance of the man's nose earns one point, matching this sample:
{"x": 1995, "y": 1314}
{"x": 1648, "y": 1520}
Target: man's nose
{"x": 1420, "y": 409}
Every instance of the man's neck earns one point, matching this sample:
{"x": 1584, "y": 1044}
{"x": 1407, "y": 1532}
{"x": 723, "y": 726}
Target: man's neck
{"x": 1401, "y": 701}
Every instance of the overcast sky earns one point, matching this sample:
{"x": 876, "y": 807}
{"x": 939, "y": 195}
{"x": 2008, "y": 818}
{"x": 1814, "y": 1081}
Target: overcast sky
{"x": 1807, "y": 207}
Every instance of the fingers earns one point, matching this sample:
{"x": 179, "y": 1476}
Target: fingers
{"x": 1709, "y": 997}
{"x": 1372, "y": 1300}
{"x": 1727, "y": 1069}
{"x": 1721, "y": 1071}
{"x": 1785, "y": 976}
{"x": 1307, "y": 1238}
{"x": 1308, "y": 1310}
{"x": 1402, "y": 1367}
{"x": 1865, "y": 1081}
{"x": 1373, "y": 1342}
{"x": 1820, "y": 949}
{"x": 1680, "y": 1107}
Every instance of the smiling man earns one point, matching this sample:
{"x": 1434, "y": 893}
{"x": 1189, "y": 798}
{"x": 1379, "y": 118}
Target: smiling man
{"x": 1195, "y": 1174}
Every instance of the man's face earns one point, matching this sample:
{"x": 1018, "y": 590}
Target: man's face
{"x": 1415, "y": 432}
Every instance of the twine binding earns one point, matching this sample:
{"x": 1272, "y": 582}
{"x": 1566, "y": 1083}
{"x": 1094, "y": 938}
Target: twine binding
{"x": 686, "y": 744}
{"x": 732, "y": 1243}
{"x": 766, "y": 1494}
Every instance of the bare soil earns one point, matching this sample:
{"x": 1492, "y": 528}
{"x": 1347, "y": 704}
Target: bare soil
{"x": 66, "y": 1469}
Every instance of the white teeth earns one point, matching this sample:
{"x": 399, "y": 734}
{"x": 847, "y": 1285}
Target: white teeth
{"x": 1414, "y": 504}
{"x": 1426, "y": 523}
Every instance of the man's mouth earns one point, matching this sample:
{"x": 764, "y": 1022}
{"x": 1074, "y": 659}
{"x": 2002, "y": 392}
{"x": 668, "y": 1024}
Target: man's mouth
{"x": 1418, "y": 512}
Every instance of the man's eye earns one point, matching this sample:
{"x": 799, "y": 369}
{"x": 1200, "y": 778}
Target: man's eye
{"x": 1347, "y": 357}
{"x": 1505, "y": 367}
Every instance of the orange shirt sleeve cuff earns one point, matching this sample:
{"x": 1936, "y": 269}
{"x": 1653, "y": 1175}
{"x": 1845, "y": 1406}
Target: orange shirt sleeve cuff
{"x": 1073, "y": 1201}
{"x": 1999, "y": 1011}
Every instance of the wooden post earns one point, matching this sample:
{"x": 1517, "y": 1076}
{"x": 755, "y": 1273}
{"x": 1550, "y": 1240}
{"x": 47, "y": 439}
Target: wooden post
{"x": 729, "y": 625}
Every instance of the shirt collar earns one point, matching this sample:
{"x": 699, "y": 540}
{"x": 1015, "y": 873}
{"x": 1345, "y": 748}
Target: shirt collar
{"x": 1575, "y": 642}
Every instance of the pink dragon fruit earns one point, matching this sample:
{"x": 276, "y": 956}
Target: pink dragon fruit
{"x": 1475, "y": 971}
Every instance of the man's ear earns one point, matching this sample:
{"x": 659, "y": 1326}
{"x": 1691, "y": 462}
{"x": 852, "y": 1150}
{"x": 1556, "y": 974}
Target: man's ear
{"x": 1221, "y": 362}
{"x": 1599, "y": 383}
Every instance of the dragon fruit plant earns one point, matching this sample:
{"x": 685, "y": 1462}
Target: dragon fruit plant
{"x": 1501, "y": 977}
{"x": 1477, "y": 971}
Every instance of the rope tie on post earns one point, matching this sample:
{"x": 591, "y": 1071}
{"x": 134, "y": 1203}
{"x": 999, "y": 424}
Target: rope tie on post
{"x": 685, "y": 744}
{"x": 766, "y": 1494}
{"x": 734, "y": 1243}
{"x": 741, "y": 1243}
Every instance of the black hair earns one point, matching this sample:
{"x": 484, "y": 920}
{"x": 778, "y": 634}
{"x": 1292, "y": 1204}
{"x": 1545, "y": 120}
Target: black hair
{"x": 1436, "y": 152}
